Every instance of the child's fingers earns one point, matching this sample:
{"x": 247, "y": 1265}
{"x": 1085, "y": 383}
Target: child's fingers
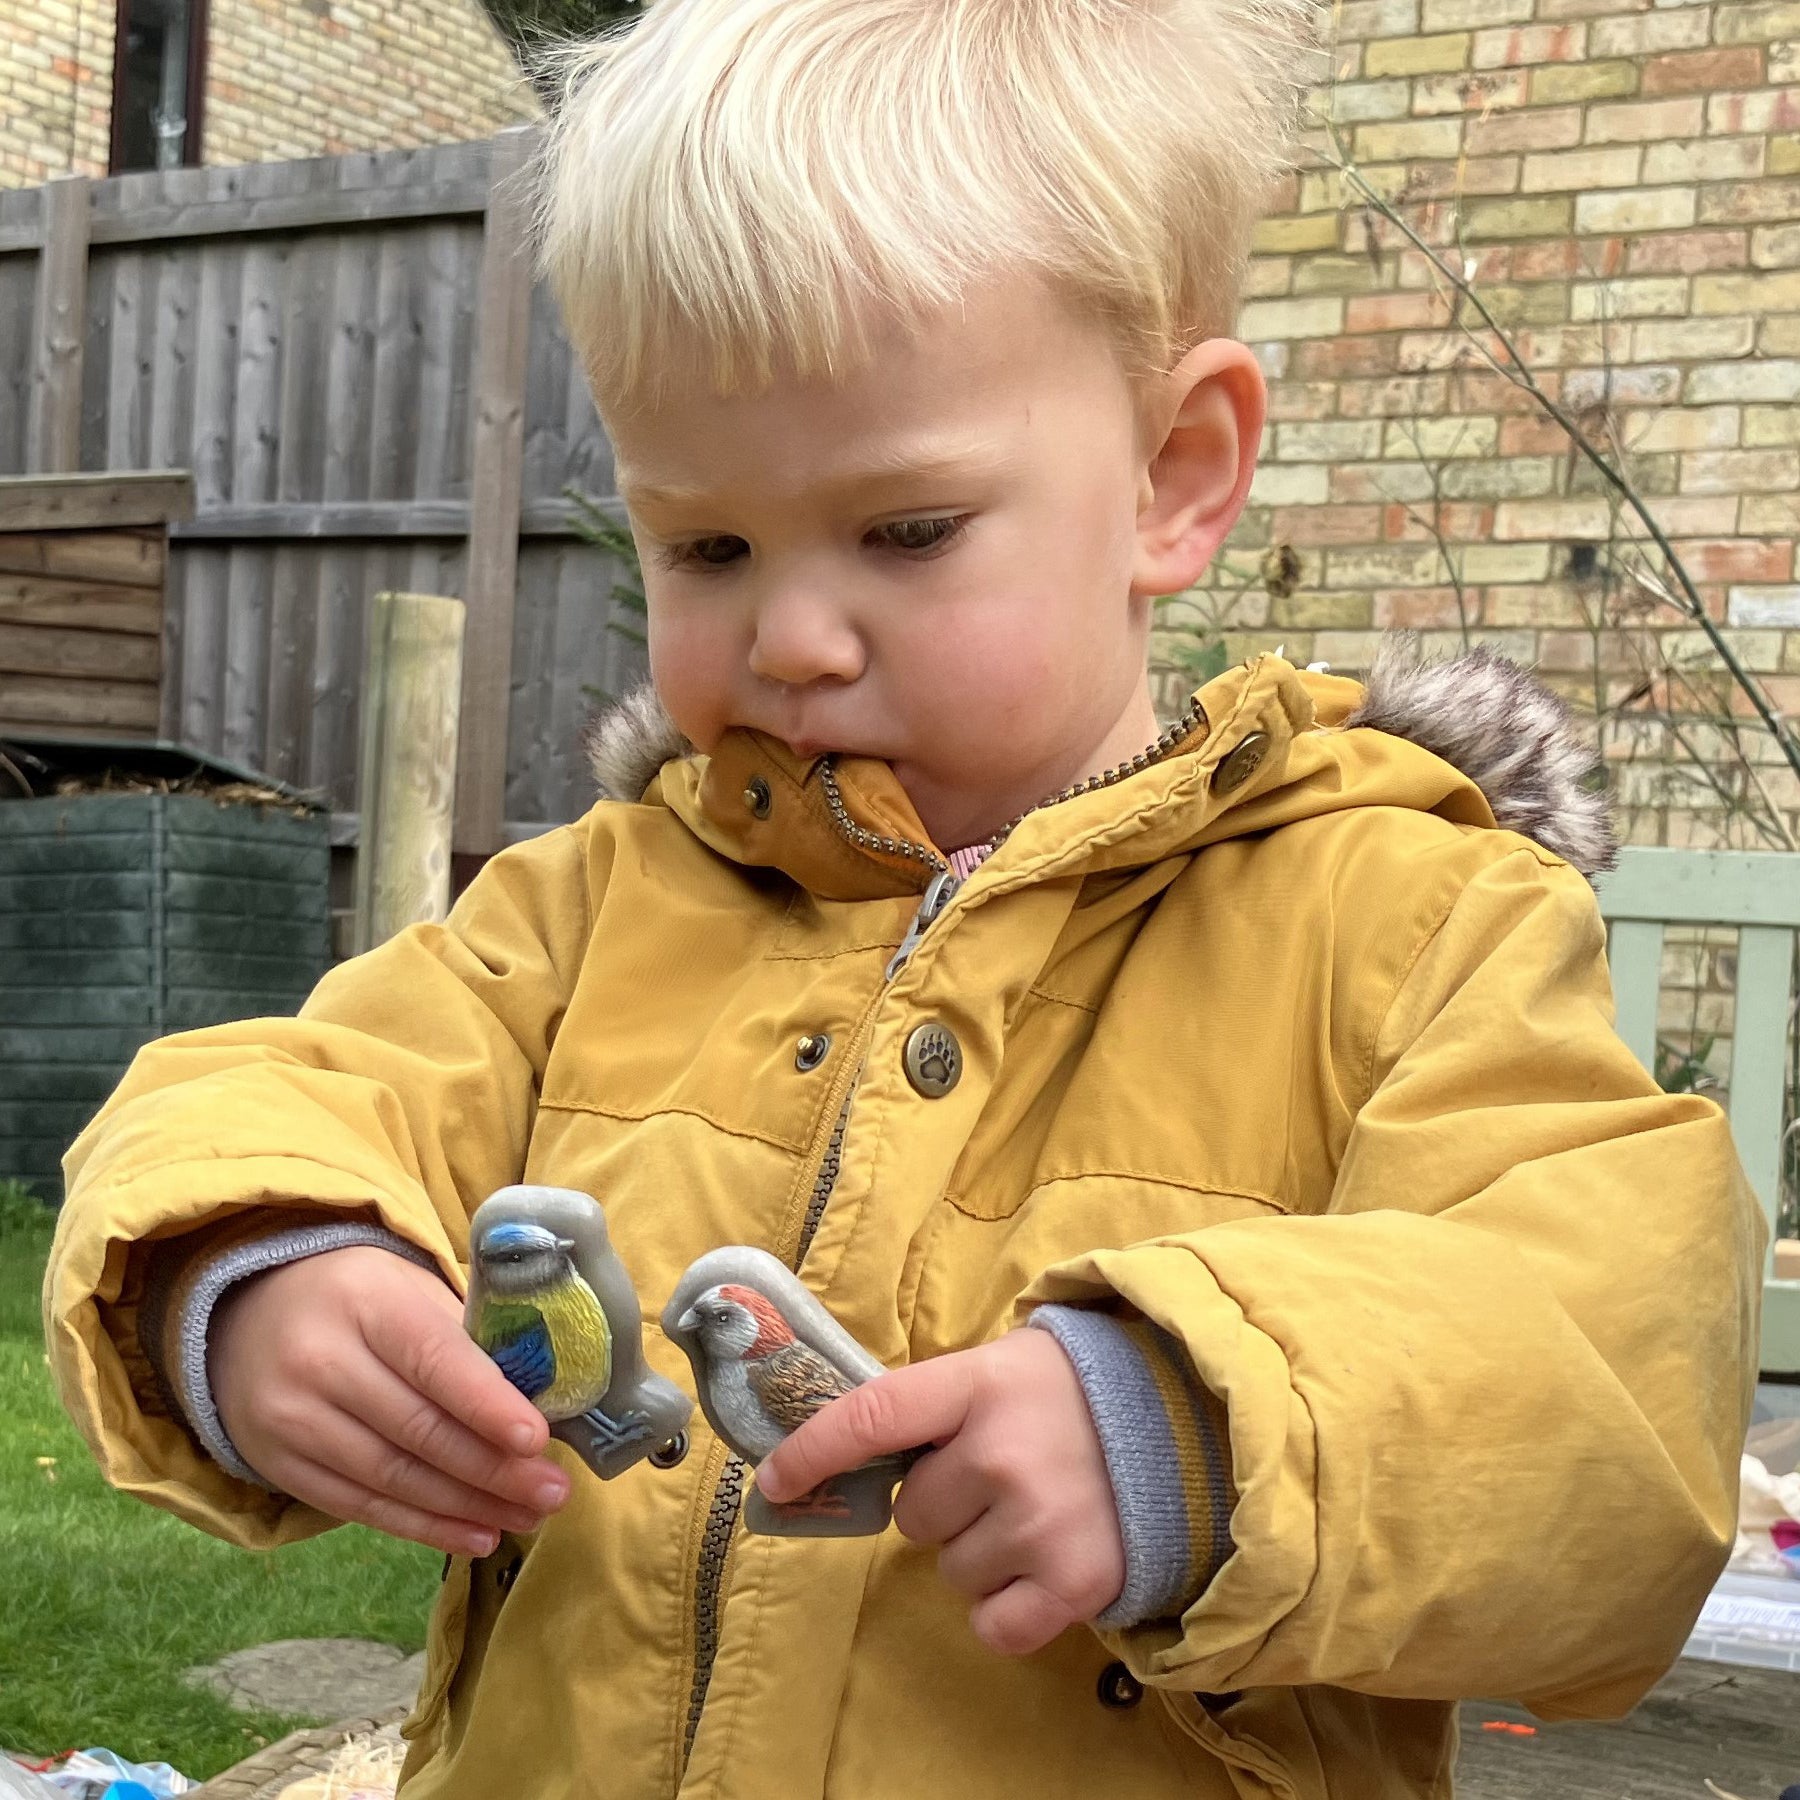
{"x": 344, "y": 1443}
{"x": 343, "y": 1498}
{"x": 426, "y": 1346}
{"x": 924, "y": 1403}
{"x": 939, "y": 1499}
{"x": 984, "y": 1559}
{"x": 1021, "y": 1618}
{"x": 401, "y": 1415}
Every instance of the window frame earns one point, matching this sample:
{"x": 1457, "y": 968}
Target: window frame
{"x": 193, "y": 139}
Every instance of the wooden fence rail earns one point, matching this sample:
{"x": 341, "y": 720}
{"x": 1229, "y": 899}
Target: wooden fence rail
{"x": 351, "y": 357}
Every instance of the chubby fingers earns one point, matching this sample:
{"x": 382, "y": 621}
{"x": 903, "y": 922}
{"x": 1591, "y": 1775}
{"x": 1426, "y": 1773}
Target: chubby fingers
{"x": 343, "y": 1497}
{"x": 413, "y": 1424}
{"x": 423, "y": 1342}
{"x": 924, "y": 1403}
{"x": 383, "y": 1468}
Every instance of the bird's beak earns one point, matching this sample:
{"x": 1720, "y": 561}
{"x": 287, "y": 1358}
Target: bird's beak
{"x": 689, "y": 1321}
{"x": 565, "y": 1245}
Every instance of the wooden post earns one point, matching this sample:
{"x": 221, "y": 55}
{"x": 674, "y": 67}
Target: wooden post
{"x": 496, "y": 471}
{"x": 54, "y": 439}
{"x": 406, "y": 771}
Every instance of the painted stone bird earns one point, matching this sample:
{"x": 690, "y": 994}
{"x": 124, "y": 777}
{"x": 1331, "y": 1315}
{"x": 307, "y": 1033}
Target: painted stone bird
{"x": 767, "y": 1356}
{"x": 552, "y": 1304}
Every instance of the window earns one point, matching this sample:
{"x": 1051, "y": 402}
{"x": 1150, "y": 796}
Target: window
{"x": 157, "y": 78}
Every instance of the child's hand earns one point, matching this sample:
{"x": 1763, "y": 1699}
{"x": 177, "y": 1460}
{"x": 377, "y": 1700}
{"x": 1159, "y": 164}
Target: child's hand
{"x": 1016, "y": 1492}
{"x": 347, "y": 1380}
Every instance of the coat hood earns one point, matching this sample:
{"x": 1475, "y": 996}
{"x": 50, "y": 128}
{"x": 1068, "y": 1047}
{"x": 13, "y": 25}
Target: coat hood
{"x": 1512, "y": 739}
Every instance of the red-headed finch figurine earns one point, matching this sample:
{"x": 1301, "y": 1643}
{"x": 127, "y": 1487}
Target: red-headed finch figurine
{"x": 767, "y": 1356}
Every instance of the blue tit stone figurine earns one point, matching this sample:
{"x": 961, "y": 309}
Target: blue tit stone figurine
{"x": 552, "y": 1304}
{"x": 767, "y": 1356}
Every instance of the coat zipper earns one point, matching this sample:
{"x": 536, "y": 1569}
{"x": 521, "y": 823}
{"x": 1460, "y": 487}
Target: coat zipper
{"x": 728, "y": 1493}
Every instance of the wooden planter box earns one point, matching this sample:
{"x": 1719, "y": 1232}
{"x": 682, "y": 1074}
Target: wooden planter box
{"x": 83, "y": 564}
{"x": 125, "y": 916}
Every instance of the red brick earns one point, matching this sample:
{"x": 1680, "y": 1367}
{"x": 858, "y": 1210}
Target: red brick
{"x": 1401, "y": 397}
{"x": 1394, "y": 312}
{"x": 1559, "y": 259}
{"x": 1482, "y": 391}
{"x": 1542, "y": 128}
{"x": 1301, "y": 400}
{"x": 1531, "y": 435}
{"x": 1458, "y": 521}
{"x": 1773, "y": 109}
{"x": 1424, "y": 609}
{"x": 1311, "y": 526}
{"x": 1327, "y": 358}
{"x": 1737, "y": 559}
{"x": 1476, "y": 175}
{"x": 1703, "y": 71}
{"x": 1365, "y": 483}
{"x": 1688, "y": 252}
{"x": 1732, "y": 202}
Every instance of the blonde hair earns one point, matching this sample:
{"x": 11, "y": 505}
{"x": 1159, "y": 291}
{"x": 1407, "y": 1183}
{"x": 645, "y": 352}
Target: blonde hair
{"x": 744, "y": 185}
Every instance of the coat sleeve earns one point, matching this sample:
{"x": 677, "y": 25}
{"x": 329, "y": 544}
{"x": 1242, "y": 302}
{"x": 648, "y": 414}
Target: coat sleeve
{"x": 1485, "y": 1410}
{"x": 402, "y": 1095}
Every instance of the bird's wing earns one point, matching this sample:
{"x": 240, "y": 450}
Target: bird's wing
{"x": 517, "y": 1338}
{"x": 794, "y": 1382}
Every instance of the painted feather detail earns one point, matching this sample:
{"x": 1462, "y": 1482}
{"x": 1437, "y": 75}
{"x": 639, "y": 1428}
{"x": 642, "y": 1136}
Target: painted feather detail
{"x": 793, "y": 1383}
{"x": 528, "y": 1361}
{"x": 515, "y": 1335}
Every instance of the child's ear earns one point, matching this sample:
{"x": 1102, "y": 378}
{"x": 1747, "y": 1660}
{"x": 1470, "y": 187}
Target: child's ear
{"x": 1205, "y": 427}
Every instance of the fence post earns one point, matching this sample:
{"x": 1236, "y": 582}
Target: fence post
{"x": 406, "y": 770}
{"x": 54, "y": 437}
{"x": 496, "y": 473}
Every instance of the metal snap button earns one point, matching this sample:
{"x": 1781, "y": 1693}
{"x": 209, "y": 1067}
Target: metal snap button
{"x": 1241, "y": 764}
{"x": 933, "y": 1060}
{"x": 1118, "y": 1688}
{"x": 758, "y": 797}
{"x": 667, "y": 1456}
{"x": 811, "y": 1051}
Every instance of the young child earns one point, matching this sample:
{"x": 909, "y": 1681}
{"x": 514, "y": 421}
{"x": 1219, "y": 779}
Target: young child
{"x": 1319, "y": 1314}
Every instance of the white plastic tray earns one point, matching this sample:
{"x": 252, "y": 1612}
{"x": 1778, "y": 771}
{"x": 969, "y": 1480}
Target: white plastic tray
{"x": 1753, "y": 1620}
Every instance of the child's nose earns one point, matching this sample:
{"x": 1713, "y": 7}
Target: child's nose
{"x": 803, "y": 638}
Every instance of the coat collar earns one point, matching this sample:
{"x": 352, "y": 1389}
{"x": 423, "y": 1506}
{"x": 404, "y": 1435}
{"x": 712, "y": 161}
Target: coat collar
{"x": 1475, "y": 739}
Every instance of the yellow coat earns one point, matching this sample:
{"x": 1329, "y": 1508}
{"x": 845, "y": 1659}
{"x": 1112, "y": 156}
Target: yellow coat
{"x": 1288, "y": 1047}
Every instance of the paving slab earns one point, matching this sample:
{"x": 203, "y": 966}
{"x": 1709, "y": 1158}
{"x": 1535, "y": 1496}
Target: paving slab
{"x": 314, "y": 1678}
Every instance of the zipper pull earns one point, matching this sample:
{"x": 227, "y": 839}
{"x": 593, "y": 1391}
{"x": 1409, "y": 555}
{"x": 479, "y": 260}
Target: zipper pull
{"x": 937, "y": 896}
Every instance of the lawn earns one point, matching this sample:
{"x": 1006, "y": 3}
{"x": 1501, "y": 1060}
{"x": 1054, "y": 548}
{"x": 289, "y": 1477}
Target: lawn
{"x": 104, "y": 1600}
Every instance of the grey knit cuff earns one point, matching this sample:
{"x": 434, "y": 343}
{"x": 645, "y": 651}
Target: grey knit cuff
{"x": 1167, "y": 1449}
{"x": 178, "y": 1311}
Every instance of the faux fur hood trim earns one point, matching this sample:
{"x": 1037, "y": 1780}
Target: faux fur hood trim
{"x": 1500, "y": 726}
{"x": 629, "y": 741}
{"x": 1485, "y": 716}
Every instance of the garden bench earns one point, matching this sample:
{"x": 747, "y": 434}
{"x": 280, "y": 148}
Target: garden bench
{"x": 1759, "y": 894}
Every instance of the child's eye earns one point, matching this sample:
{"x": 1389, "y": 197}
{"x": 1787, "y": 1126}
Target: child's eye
{"x": 709, "y": 552}
{"x": 917, "y": 537}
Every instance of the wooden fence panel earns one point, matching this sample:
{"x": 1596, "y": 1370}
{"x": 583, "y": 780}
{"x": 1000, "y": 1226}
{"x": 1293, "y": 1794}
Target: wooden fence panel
{"x": 18, "y": 283}
{"x": 302, "y": 337}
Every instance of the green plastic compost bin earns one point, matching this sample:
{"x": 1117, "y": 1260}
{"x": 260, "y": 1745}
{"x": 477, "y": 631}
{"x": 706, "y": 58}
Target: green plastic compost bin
{"x": 127, "y": 915}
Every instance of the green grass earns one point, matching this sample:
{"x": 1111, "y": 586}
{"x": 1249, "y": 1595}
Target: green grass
{"x": 104, "y": 1601}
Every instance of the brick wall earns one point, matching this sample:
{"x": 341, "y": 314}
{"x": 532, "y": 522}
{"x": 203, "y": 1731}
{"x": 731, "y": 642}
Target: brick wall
{"x": 55, "y": 89}
{"x": 316, "y": 77}
{"x": 285, "y": 78}
{"x": 1624, "y": 183}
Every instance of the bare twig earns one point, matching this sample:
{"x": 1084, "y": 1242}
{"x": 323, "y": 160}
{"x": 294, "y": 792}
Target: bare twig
{"x": 1516, "y": 370}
